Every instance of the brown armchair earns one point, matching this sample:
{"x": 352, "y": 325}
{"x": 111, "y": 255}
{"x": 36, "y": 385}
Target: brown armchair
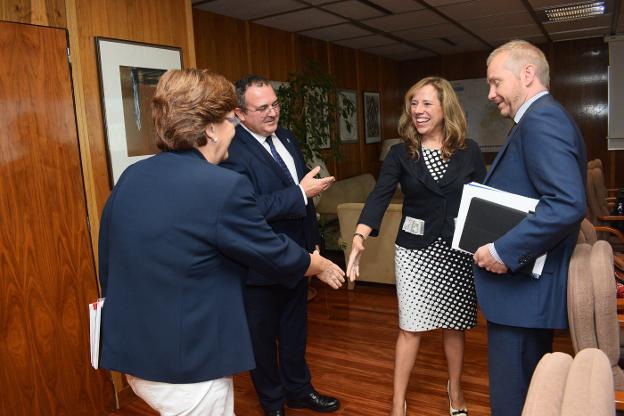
{"x": 592, "y": 311}
{"x": 562, "y": 386}
{"x": 600, "y": 204}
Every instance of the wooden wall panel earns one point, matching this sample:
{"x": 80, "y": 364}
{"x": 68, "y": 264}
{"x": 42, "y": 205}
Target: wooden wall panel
{"x": 274, "y": 54}
{"x": 369, "y": 80}
{"x": 308, "y": 50}
{"x": 271, "y": 52}
{"x": 344, "y": 71}
{"x": 391, "y": 97}
{"x": 150, "y": 21}
{"x": 36, "y": 12}
{"x": 222, "y": 42}
{"x": 578, "y": 81}
{"x": 47, "y": 272}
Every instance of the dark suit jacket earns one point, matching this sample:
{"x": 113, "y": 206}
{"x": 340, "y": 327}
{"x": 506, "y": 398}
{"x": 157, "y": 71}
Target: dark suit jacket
{"x": 177, "y": 236}
{"x": 279, "y": 200}
{"x": 437, "y": 203}
{"x": 544, "y": 158}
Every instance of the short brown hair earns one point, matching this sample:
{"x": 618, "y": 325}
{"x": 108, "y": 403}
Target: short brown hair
{"x": 185, "y": 102}
{"x": 455, "y": 125}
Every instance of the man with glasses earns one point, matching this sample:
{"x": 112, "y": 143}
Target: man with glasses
{"x": 270, "y": 157}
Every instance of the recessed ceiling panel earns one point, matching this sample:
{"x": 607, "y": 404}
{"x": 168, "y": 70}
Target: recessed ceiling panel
{"x": 405, "y": 21}
{"x": 366, "y": 42}
{"x": 462, "y": 44}
{"x": 437, "y": 3}
{"x": 587, "y": 23}
{"x": 481, "y": 8}
{"x": 301, "y": 20}
{"x": 509, "y": 33}
{"x": 341, "y": 31}
{"x": 510, "y": 19}
{"x": 319, "y": 2}
{"x": 247, "y": 10}
{"x": 353, "y": 9}
{"x": 428, "y": 32}
{"x": 578, "y": 34}
{"x": 398, "y": 6}
{"x": 546, "y": 4}
{"x": 399, "y": 51}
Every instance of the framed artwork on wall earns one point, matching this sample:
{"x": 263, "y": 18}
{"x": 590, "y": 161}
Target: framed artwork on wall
{"x": 129, "y": 72}
{"x": 347, "y": 129}
{"x": 372, "y": 117}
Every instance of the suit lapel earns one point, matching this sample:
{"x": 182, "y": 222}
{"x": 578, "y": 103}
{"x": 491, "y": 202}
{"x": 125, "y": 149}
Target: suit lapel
{"x": 261, "y": 154}
{"x": 513, "y": 133}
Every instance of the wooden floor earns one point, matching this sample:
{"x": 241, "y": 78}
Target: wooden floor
{"x": 350, "y": 352}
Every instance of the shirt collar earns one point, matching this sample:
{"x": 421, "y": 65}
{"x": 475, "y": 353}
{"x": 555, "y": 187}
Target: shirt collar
{"x": 524, "y": 107}
{"x": 261, "y": 139}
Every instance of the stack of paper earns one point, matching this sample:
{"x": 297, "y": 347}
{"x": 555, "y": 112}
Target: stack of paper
{"x": 95, "y": 314}
{"x": 486, "y": 213}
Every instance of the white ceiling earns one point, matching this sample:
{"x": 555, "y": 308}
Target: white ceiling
{"x": 409, "y": 29}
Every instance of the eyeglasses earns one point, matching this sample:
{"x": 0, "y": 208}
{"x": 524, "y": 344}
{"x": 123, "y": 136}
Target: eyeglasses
{"x": 266, "y": 109}
{"x": 234, "y": 120}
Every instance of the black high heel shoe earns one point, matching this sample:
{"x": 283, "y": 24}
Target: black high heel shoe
{"x": 452, "y": 411}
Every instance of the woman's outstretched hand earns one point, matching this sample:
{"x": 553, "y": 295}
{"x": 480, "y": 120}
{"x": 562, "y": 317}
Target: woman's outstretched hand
{"x": 357, "y": 248}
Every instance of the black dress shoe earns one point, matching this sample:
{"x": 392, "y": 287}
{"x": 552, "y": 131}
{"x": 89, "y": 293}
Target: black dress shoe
{"x": 316, "y": 402}
{"x": 278, "y": 412}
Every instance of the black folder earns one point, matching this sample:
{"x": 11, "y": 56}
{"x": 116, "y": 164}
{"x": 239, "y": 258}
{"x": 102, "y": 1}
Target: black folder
{"x": 486, "y": 221}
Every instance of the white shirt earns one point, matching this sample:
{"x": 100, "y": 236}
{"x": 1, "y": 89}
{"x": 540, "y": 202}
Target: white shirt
{"x": 284, "y": 154}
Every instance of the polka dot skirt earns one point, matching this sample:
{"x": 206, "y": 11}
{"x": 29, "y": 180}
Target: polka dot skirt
{"x": 435, "y": 285}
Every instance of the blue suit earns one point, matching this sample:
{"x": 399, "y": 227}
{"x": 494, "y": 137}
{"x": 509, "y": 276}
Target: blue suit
{"x": 277, "y": 311}
{"x": 177, "y": 237}
{"x": 544, "y": 158}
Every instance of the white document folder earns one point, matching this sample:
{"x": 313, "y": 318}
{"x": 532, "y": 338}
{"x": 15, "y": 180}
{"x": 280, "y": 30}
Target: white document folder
{"x": 503, "y": 198}
{"x": 95, "y": 314}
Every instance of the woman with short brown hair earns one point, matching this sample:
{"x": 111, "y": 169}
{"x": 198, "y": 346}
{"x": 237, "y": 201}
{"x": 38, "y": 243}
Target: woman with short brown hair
{"x": 177, "y": 236}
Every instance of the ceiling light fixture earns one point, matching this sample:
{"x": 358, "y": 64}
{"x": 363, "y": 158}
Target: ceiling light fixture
{"x": 575, "y": 11}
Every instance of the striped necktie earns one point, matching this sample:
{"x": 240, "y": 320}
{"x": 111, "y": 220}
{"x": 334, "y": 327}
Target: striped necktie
{"x": 279, "y": 159}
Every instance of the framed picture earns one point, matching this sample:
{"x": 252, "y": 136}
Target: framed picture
{"x": 346, "y": 135}
{"x": 129, "y": 72}
{"x": 372, "y": 117}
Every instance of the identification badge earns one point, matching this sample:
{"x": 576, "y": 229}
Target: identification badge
{"x": 414, "y": 226}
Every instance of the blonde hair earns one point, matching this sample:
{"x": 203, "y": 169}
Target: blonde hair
{"x": 455, "y": 126}
{"x": 186, "y": 101}
{"x": 520, "y": 53}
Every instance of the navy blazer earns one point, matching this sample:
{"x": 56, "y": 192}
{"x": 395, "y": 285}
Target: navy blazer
{"x": 437, "y": 203}
{"x": 177, "y": 237}
{"x": 544, "y": 158}
{"x": 279, "y": 200}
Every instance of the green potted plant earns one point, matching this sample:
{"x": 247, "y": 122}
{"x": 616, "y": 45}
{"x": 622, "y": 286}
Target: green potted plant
{"x": 308, "y": 107}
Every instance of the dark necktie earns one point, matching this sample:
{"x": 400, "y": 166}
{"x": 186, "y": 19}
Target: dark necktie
{"x": 279, "y": 159}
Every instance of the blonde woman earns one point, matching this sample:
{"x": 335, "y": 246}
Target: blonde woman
{"x": 435, "y": 286}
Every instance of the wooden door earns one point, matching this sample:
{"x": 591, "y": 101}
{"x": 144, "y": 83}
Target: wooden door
{"x": 47, "y": 273}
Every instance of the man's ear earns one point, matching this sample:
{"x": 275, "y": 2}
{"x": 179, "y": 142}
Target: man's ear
{"x": 528, "y": 75}
{"x": 239, "y": 113}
